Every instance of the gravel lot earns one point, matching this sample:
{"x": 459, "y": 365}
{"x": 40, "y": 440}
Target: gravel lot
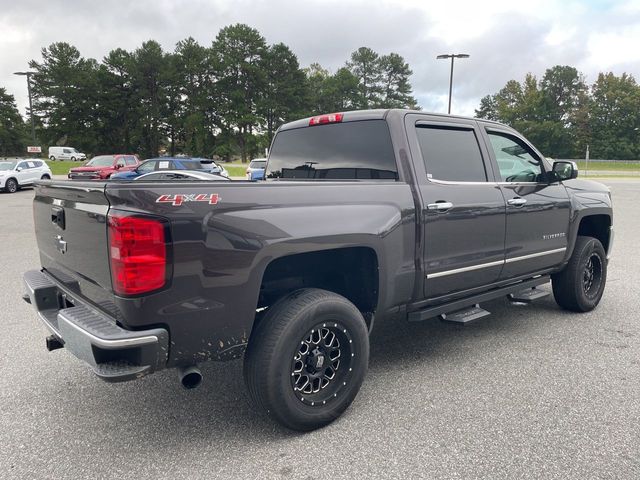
{"x": 528, "y": 392}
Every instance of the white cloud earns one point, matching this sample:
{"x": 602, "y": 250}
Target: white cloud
{"x": 506, "y": 39}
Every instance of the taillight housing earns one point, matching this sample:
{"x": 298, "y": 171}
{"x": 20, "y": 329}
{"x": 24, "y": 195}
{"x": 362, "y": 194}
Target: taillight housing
{"x": 329, "y": 118}
{"x": 138, "y": 253}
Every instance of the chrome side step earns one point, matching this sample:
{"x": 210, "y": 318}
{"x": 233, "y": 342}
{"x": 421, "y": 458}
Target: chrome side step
{"x": 527, "y": 296}
{"x": 465, "y": 303}
{"x": 465, "y": 315}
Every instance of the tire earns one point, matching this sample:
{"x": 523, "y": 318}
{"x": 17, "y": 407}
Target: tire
{"x": 579, "y": 287}
{"x": 11, "y": 186}
{"x": 301, "y": 388}
{"x": 45, "y": 177}
{"x": 52, "y": 158}
{"x": 73, "y": 159}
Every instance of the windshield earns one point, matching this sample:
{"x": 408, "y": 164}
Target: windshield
{"x": 101, "y": 161}
{"x": 7, "y": 165}
{"x": 257, "y": 163}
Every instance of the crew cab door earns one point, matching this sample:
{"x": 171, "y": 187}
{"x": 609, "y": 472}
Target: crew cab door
{"x": 463, "y": 209}
{"x": 537, "y": 210}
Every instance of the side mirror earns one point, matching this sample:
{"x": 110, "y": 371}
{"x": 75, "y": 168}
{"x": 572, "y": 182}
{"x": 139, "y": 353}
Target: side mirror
{"x": 565, "y": 170}
{"x": 19, "y": 169}
{"x": 118, "y": 166}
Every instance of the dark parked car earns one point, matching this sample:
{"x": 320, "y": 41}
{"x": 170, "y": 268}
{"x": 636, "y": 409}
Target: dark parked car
{"x": 102, "y": 167}
{"x": 180, "y": 175}
{"x": 366, "y": 216}
{"x": 171, "y": 163}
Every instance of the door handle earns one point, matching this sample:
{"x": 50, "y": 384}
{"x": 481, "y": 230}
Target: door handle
{"x": 440, "y": 206}
{"x": 517, "y": 202}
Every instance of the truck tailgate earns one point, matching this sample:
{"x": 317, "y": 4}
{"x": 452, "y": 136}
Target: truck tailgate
{"x": 71, "y": 231}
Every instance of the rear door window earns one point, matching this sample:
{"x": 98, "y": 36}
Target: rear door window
{"x": 192, "y": 164}
{"x": 350, "y": 150}
{"x": 451, "y": 153}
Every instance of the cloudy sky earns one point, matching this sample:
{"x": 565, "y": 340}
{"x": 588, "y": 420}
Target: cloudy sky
{"x": 505, "y": 38}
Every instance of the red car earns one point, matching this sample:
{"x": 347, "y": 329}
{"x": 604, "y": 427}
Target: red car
{"x": 103, "y": 166}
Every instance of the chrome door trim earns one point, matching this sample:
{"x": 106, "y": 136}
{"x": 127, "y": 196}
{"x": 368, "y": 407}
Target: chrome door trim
{"x": 470, "y": 268}
{"x": 465, "y": 269}
{"x": 534, "y": 255}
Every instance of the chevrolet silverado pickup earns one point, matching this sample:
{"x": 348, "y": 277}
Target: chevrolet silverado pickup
{"x": 379, "y": 215}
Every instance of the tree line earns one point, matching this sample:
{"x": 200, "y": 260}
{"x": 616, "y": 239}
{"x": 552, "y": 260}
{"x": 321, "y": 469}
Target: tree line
{"x": 224, "y": 100}
{"x": 228, "y": 98}
{"x": 562, "y": 115}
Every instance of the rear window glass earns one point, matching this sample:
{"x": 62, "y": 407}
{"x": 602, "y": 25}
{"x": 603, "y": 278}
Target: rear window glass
{"x": 351, "y": 150}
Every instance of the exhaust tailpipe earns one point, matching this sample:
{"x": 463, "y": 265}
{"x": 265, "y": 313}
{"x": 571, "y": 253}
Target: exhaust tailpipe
{"x": 190, "y": 377}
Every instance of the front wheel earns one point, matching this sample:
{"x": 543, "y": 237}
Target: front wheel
{"x": 73, "y": 159}
{"x": 45, "y": 177}
{"x": 579, "y": 287}
{"x": 11, "y": 186}
{"x": 307, "y": 358}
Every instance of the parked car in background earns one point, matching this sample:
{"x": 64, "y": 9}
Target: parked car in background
{"x": 180, "y": 175}
{"x": 161, "y": 164}
{"x": 103, "y": 167}
{"x": 256, "y": 175}
{"x": 66, "y": 153}
{"x": 19, "y": 173}
{"x": 256, "y": 165}
{"x": 210, "y": 166}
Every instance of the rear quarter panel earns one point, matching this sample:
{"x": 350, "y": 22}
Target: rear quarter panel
{"x": 221, "y": 251}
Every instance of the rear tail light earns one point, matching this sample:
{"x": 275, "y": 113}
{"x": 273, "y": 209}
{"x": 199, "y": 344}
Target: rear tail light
{"x": 138, "y": 254}
{"x": 322, "y": 119}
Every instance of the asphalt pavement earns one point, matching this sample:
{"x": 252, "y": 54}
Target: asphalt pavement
{"x": 528, "y": 392}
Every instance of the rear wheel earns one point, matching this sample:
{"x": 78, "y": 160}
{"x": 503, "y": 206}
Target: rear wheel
{"x": 307, "y": 358}
{"x": 52, "y": 158}
{"x": 11, "y": 186}
{"x": 579, "y": 287}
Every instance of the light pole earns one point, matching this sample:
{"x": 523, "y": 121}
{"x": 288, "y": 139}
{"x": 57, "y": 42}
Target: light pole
{"x": 33, "y": 125}
{"x": 452, "y": 56}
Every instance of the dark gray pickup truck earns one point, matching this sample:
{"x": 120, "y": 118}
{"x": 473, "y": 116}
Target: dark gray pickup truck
{"x": 378, "y": 215}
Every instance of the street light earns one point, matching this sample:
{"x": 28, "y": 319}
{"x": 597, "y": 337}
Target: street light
{"x": 452, "y": 56}
{"x": 33, "y": 125}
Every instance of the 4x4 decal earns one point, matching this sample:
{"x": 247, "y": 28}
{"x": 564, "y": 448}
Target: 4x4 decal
{"x": 180, "y": 198}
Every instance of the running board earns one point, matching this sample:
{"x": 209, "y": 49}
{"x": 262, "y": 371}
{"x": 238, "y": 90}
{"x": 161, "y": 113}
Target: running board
{"x": 465, "y": 315}
{"x": 527, "y": 296}
{"x": 456, "y": 305}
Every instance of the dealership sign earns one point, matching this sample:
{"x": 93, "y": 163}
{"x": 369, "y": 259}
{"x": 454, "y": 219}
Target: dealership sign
{"x": 34, "y": 149}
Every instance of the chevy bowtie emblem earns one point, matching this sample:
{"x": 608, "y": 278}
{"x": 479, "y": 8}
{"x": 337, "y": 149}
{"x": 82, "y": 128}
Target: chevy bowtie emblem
{"x": 61, "y": 245}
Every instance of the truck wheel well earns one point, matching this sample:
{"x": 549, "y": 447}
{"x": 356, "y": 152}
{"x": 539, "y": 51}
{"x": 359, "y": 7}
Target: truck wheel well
{"x": 596, "y": 226}
{"x": 351, "y": 272}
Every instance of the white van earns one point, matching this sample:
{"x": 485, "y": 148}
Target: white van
{"x": 65, "y": 153}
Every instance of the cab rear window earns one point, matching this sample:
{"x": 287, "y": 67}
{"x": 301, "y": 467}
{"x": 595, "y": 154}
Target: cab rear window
{"x": 351, "y": 150}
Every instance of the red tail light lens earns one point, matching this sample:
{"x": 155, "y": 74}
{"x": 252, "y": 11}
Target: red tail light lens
{"x": 322, "y": 119}
{"x": 138, "y": 253}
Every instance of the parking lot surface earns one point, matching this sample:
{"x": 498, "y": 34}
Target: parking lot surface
{"x": 528, "y": 392}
